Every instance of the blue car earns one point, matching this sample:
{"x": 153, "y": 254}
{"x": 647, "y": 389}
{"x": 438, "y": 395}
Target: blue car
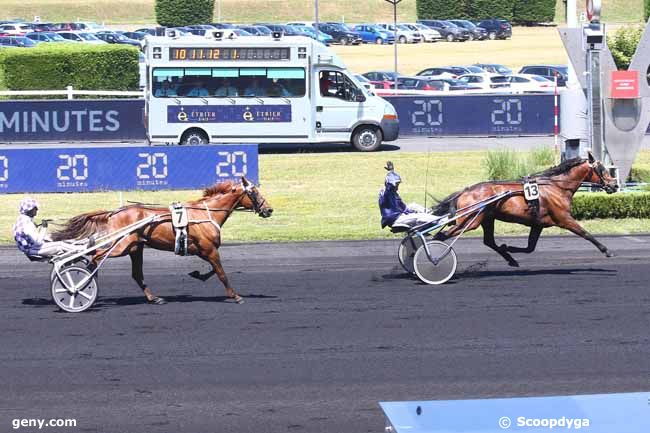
{"x": 371, "y": 33}
{"x": 323, "y": 38}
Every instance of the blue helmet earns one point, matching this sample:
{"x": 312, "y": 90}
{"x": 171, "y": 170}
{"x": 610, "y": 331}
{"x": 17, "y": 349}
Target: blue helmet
{"x": 393, "y": 179}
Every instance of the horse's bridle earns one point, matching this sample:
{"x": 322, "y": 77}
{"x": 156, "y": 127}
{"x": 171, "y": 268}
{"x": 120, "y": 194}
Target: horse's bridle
{"x": 250, "y": 191}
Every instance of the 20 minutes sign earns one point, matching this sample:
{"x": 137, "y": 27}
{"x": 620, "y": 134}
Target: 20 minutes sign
{"x": 125, "y": 168}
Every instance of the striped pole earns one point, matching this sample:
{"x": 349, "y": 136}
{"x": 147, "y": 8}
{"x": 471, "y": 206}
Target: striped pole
{"x": 555, "y": 115}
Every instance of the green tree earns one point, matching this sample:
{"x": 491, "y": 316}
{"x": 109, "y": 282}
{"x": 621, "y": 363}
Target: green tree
{"x": 441, "y": 9}
{"x": 534, "y": 11}
{"x": 646, "y": 9}
{"x": 623, "y": 45}
{"x": 176, "y": 13}
{"x": 484, "y": 9}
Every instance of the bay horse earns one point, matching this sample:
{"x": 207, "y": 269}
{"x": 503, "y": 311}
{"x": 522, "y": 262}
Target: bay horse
{"x": 557, "y": 185}
{"x": 209, "y": 214}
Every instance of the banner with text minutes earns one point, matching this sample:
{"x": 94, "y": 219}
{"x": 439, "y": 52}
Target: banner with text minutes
{"x": 124, "y": 168}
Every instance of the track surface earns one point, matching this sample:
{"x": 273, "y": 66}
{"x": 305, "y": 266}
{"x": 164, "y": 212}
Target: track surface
{"x": 327, "y": 331}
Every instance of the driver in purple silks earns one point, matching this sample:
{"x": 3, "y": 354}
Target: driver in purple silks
{"x": 34, "y": 241}
{"x": 396, "y": 213}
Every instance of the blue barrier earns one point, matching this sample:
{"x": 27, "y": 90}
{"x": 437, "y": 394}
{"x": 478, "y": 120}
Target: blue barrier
{"x": 474, "y": 114}
{"x": 124, "y": 168}
{"x": 599, "y": 413}
{"x": 75, "y": 120}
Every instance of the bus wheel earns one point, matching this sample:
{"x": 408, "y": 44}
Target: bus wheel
{"x": 367, "y": 138}
{"x": 193, "y": 137}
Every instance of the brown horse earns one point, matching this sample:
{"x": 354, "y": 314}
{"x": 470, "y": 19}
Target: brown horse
{"x": 557, "y": 185}
{"x": 206, "y": 217}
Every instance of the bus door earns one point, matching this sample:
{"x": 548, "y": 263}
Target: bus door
{"x": 339, "y": 105}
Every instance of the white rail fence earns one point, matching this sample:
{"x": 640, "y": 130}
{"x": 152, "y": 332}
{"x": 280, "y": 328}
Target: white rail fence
{"x": 70, "y": 93}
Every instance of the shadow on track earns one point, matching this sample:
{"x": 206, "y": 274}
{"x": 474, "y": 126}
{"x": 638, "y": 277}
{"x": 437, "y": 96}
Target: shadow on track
{"x": 137, "y": 300}
{"x": 278, "y": 148}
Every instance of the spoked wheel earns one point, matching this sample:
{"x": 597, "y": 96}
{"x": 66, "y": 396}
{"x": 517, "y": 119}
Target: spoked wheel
{"x": 406, "y": 252}
{"x": 441, "y": 269}
{"x": 74, "y": 291}
{"x": 81, "y": 261}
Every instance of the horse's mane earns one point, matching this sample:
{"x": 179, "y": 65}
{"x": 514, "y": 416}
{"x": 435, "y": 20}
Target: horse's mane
{"x": 219, "y": 188}
{"x": 560, "y": 168}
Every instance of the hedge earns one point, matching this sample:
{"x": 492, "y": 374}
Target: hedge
{"x": 646, "y": 9}
{"x": 84, "y": 67}
{"x": 617, "y": 206}
{"x": 178, "y": 13}
{"x": 534, "y": 11}
{"x": 441, "y": 9}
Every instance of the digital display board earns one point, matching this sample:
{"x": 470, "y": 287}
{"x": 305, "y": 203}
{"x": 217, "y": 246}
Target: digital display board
{"x": 221, "y": 53}
{"x": 83, "y": 169}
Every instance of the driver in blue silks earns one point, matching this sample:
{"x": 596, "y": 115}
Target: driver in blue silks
{"x": 394, "y": 212}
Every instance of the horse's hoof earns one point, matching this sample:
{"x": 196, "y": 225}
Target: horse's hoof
{"x": 156, "y": 301}
{"x": 238, "y": 299}
{"x": 514, "y": 264}
{"x": 609, "y": 254}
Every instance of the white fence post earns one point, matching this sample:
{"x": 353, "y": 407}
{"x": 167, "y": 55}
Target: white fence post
{"x": 69, "y": 90}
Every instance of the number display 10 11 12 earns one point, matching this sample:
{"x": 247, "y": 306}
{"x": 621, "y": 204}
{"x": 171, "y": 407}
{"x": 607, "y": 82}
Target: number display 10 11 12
{"x": 87, "y": 169}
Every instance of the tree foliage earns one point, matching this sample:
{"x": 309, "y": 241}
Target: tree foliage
{"x": 441, "y": 9}
{"x": 623, "y": 45}
{"x": 177, "y": 13}
{"x": 484, "y": 9}
{"x": 534, "y": 11}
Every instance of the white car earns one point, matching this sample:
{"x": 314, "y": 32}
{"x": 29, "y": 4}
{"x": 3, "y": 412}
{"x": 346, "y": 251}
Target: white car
{"x": 489, "y": 82}
{"x": 90, "y": 26}
{"x": 17, "y": 29}
{"x": 428, "y": 34}
{"x": 85, "y": 37}
{"x": 404, "y": 34}
{"x": 529, "y": 83}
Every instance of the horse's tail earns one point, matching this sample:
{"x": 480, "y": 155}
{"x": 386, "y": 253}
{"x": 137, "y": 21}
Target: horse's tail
{"x": 447, "y": 205}
{"x": 82, "y": 226}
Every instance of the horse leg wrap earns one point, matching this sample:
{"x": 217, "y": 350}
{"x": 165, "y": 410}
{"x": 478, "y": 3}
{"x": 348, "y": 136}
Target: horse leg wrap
{"x": 180, "y": 247}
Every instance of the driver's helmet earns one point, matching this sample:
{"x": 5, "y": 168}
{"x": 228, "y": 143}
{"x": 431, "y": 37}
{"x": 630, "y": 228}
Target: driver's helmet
{"x": 393, "y": 179}
{"x": 27, "y": 204}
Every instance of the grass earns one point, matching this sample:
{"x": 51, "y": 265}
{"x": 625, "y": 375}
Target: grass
{"x": 321, "y": 196}
{"x": 142, "y": 11}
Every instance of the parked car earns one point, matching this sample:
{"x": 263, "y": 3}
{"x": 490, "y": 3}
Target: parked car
{"x": 265, "y": 31}
{"x": 448, "y": 71}
{"x": 89, "y": 26}
{"x": 448, "y": 30}
{"x": 494, "y": 68}
{"x": 375, "y": 34}
{"x": 311, "y": 32}
{"x": 67, "y": 26}
{"x": 85, "y": 37}
{"x": 455, "y": 84}
{"x": 403, "y": 33}
{"x": 223, "y": 25}
{"x": 253, "y": 30}
{"x": 241, "y": 32}
{"x": 17, "y": 41}
{"x": 419, "y": 83}
{"x": 486, "y": 81}
{"x": 18, "y": 29}
{"x": 527, "y": 83}
{"x": 44, "y": 27}
{"x": 364, "y": 82}
{"x": 286, "y": 30}
{"x": 497, "y": 28}
{"x": 549, "y": 72}
{"x": 382, "y": 79}
{"x": 428, "y": 34}
{"x": 45, "y": 37}
{"x": 151, "y": 32}
{"x": 475, "y": 32}
{"x": 117, "y": 38}
{"x": 340, "y": 34}
{"x": 138, "y": 36}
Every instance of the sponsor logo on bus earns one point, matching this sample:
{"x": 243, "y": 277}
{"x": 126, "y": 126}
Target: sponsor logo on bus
{"x": 228, "y": 114}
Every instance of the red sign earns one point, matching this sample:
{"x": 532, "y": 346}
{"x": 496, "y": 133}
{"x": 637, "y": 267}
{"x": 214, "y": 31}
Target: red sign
{"x": 625, "y": 84}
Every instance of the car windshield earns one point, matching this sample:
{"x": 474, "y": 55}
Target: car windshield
{"x": 503, "y": 70}
{"x": 402, "y": 27}
{"x": 475, "y": 69}
{"x": 467, "y": 24}
{"x": 120, "y": 37}
{"x": 263, "y": 30}
{"x": 88, "y": 36}
{"x": 391, "y": 75}
{"x": 449, "y": 24}
{"x": 345, "y": 27}
{"x": 499, "y": 79}
{"x": 54, "y": 36}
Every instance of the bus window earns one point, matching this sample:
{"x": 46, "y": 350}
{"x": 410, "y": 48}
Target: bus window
{"x": 229, "y": 82}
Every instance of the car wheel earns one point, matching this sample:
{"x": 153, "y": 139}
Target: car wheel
{"x": 402, "y": 39}
{"x": 344, "y": 40}
{"x": 492, "y": 36}
{"x": 367, "y": 138}
{"x": 194, "y": 137}
{"x": 450, "y": 38}
{"x": 379, "y": 41}
{"x": 470, "y": 38}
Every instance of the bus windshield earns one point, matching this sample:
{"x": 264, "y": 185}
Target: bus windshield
{"x": 229, "y": 82}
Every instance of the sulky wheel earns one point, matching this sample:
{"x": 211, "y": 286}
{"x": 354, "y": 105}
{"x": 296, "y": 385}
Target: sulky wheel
{"x": 441, "y": 269}
{"x": 79, "y": 291}
{"x": 406, "y": 252}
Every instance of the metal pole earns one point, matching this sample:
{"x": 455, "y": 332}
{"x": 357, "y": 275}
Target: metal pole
{"x": 572, "y": 23}
{"x": 395, "y": 43}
